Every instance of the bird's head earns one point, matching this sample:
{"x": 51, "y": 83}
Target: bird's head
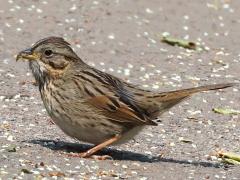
{"x": 50, "y": 57}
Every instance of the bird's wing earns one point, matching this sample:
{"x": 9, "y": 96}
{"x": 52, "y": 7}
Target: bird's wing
{"x": 109, "y": 95}
{"x": 119, "y": 111}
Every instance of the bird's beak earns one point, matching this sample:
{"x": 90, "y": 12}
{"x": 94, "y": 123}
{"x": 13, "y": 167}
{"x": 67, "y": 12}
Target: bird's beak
{"x": 28, "y": 55}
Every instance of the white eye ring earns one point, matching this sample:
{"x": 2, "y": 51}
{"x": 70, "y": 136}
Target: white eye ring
{"x": 48, "y": 52}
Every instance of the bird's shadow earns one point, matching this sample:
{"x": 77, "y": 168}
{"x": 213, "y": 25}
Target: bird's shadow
{"x": 116, "y": 154}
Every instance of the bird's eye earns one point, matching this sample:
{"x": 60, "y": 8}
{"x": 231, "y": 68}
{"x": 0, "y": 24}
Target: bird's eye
{"x": 48, "y": 52}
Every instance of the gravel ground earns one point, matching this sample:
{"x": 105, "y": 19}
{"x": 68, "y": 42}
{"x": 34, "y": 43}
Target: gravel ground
{"x": 122, "y": 37}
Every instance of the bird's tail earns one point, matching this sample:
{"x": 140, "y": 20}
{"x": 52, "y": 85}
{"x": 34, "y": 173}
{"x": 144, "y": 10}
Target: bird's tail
{"x": 166, "y": 100}
{"x": 178, "y": 94}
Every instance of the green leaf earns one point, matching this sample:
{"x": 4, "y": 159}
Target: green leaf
{"x": 181, "y": 139}
{"x": 229, "y": 155}
{"x": 226, "y": 111}
{"x": 11, "y": 148}
{"x": 183, "y": 43}
{"x": 26, "y": 171}
{"x": 230, "y": 161}
{"x": 179, "y": 42}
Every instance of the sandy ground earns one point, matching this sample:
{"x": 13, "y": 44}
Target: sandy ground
{"x": 122, "y": 37}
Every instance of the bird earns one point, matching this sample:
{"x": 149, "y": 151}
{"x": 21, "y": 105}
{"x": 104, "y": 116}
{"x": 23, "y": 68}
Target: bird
{"x": 93, "y": 106}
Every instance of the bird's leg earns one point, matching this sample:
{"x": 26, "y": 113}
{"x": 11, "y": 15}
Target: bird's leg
{"x": 96, "y": 148}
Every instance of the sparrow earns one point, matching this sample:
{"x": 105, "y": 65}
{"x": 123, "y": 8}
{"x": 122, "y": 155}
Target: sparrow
{"x": 94, "y": 106}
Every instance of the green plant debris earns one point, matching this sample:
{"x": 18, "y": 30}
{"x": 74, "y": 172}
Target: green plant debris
{"x": 230, "y": 161}
{"x": 11, "y": 148}
{"x": 26, "y": 171}
{"x": 229, "y": 157}
{"x": 226, "y": 111}
{"x": 179, "y": 42}
{"x": 181, "y": 139}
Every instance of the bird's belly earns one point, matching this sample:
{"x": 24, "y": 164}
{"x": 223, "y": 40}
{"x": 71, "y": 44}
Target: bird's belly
{"x": 85, "y": 125}
{"x": 83, "y": 131}
{"x": 95, "y": 134}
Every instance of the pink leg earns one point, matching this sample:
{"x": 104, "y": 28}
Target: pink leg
{"x": 93, "y": 150}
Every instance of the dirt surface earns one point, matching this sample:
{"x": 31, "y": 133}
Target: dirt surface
{"x": 122, "y": 37}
